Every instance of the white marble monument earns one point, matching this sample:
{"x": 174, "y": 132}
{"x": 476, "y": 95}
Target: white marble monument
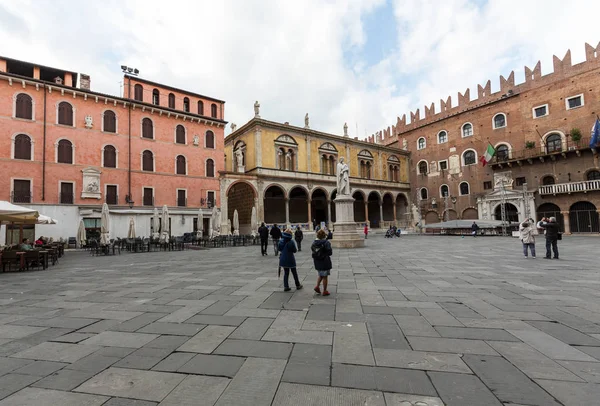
{"x": 346, "y": 234}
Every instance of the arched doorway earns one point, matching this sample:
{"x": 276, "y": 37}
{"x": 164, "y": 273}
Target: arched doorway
{"x": 359, "y": 207}
{"x": 402, "y": 209}
{"x": 319, "y": 206}
{"x": 512, "y": 214}
{"x": 333, "y": 196}
{"x": 432, "y": 217}
{"x": 450, "y": 214}
{"x": 374, "y": 212}
{"x": 584, "y": 218}
{"x": 298, "y": 205}
{"x": 388, "y": 207}
{"x": 240, "y": 197}
{"x": 470, "y": 214}
{"x": 274, "y": 205}
{"x": 551, "y": 210}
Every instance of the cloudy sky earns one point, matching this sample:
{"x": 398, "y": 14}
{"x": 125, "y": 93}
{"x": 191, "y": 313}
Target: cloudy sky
{"x": 363, "y": 62}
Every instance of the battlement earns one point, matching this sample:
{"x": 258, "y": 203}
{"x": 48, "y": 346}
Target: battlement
{"x": 563, "y": 68}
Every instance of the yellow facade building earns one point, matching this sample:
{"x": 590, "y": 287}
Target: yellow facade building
{"x": 288, "y": 174}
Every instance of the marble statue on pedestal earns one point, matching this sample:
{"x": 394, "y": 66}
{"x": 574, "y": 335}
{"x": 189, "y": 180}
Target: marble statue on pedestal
{"x": 343, "y": 182}
{"x": 345, "y": 129}
{"x": 256, "y": 109}
{"x": 306, "y": 121}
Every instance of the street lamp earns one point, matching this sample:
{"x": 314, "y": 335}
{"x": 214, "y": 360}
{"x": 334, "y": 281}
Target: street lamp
{"x": 129, "y": 201}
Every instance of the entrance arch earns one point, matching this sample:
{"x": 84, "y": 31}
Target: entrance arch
{"x": 584, "y": 218}
{"x": 274, "y": 203}
{"x": 359, "y": 207}
{"x": 470, "y": 214}
{"x": 388, "y": 207}
{"x": 551, "y": 210}
{"x": 402, "y": 209}
{"x": 240, "y": 197}
{"x": 333, "y": 196}
{"x": 298, "y": 205}
{"x": 512, "y": 213}
{"x": 373, "y": 209}
{"x": 449, "y": 214}
{"x": 432, "y": 217}
{"x": 319, "y": 206}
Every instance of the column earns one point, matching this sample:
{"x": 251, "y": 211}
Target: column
{"x": 380, "y": 214}
{"x": 287, "y": 211}
{"x": 308, "y": 160}
{"x": 258, "y": 147}
{"x": 310, "y": 224}
{"x": 522, "y": 210}
{"x": 367, "y": 213}
{"x": 567, "y": 221}
{"x": 395, "y": 219}
{"x": 258, "y": 219}
{"x": 329, "y": 214}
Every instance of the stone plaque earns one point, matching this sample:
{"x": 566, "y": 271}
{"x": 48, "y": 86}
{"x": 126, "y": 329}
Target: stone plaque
{"x": 91, "y": 184}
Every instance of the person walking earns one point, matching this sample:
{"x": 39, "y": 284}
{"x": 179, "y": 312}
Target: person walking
{"x": 321, "y": 253}
{"x": 366, "y": 231}
{"x": 287, "y": 261}
{"x": 552, "y": 235}
{"x": 527, "y": 237}
{"x": 263, "y": 232}
{"x": 276, "y": 236}
{"x": 298, "y": 236}
{"x": 474, "y": 229}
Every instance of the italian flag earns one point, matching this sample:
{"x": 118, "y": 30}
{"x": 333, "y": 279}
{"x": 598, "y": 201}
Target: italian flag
{"x": 487, "y": 155}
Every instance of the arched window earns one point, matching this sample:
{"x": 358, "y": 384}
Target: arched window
{"x": 444, "y": 191}
{"x": 424, "y": 194}
{"x": 147, "y": 129}
{"x": 423, "y": 168}
{"x": 24, "y": 106}
{"x": 421, "y": 144}
{"x": 181, "y": 165}
{"x": 553, "y": 143}
{"x": 65, "y": 114}
{"x": 148, "y": 161}
{"x": 502, "y": 152}
{"x": 22, "y": 147}
{"x": 200, "y": 107}
{"x": 171, "y": 101}
{"x": 442, "y": 137}
{"x": 213, "y": 110}
{"x": 548, "y": 180}
{"x": 469, "y": 158}
{"x": 499, "y": 120}
{"x": 593, "y": 175}
{"x": 463, "y": 188}
{"x": 210, "y": 168}
{"x": 209, "y": 139}
{"x": 186, "y": 104}
{"x": 467, "y": 130}
{"x": 109, "y": 121}
{"x": 110, "y": 157}
{"x": 138, "y": 92}
{"x": 180, "y": 134}
{"x": 156, "y": 97}
{"x": 65, "y": 152}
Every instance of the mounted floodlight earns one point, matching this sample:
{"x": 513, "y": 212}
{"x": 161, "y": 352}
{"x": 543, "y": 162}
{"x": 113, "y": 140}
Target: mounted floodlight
{"x": 136, "y": 71}
{"x": 129, "y": 70}
{"x": 123, "y": 67}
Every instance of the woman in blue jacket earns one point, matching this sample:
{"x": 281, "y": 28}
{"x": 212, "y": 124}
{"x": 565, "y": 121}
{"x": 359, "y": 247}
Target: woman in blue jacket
{"x": 287, "y": 248}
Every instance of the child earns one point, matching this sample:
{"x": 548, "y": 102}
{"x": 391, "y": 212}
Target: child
{"x": 321, "y": 253}
{"x": 287, "y": 248}
{"x": 366, "y": 231}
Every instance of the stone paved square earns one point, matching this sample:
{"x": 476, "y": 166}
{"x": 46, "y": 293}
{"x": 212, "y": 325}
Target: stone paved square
{"x": 441, "y": 320}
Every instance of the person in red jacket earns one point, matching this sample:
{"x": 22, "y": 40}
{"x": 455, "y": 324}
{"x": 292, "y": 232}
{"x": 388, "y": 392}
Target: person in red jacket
{"x": 366, "y": 231}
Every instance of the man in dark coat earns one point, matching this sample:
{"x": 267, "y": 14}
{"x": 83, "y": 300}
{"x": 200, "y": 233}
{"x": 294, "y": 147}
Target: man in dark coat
{"x": 275, "y": 235}
{"x": 263, "y": 232}
{"x": 474, "y": 229}
{"x": 298, "y": 236}
{"x": 552, "y": 231}
{"x": 287, "y": 261}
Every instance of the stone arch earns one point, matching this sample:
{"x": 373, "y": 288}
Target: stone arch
{"x": 432, "y": 217}
{"x": 274, "y": 204}
{"x": 550, "y": 209}
{"x": 298, "y": 204}
{"x": 546, "y": 149}
{"x": 402, "y": 208}
{"x": 452, "y": 215}
{"x": 388, "y": 207}
{"x": 359, "y": 206}
{"x": 583, "y": 217}
{"x": 512, "y": 212}
{"x": 470, "y": 213}
{"x": 319, "y": 213}
{"x": 241, "y": 196}
{"x": 373, "y": 208}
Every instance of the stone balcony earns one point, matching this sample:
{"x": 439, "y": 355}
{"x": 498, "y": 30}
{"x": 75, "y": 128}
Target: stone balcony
{"x": 571, "y": 187}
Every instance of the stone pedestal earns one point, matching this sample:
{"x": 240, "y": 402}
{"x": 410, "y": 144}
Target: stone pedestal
{"x": 346, "y": 235}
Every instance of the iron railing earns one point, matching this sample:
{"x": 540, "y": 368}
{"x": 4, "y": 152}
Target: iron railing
{"x": 538, "y": 151}
{"x": 570, "y": 187}
{"x": 21, "y": 197}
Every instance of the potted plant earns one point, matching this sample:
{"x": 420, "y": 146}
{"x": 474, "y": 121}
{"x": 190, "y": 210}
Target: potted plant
{"x": 530, "y": 144}
{"x": 576, "y": 135}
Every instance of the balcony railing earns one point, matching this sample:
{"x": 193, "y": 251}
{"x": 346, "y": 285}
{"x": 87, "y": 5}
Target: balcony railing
{"x": 571, "y": 187}
{"x": 181, "y": 202}
{"x": 21, "y": 197}
{"x": 205, "y": 202}
{"x": 66, "y": 198}
{"x": 548, "y": 151}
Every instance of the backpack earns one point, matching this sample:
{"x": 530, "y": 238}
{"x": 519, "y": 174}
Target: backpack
{"x": 319, "y": 252}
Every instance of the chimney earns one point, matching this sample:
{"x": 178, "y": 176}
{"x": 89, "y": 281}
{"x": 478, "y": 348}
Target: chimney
{"x": 84, "y": 81}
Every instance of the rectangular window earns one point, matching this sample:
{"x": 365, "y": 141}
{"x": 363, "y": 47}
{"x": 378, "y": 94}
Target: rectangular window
{"x": 111, "y": 194}
{"x": 181, "y": 198}
{"x": 574, "y": 102}
{"x": 210, "y": 198}
{"x": 540, "y": 111}
{"x": 21, "y": 191}
{"x": 443, "y": 165}
{"x": 521, "y": 181}
{"x": 487, "y": 184}
{"x": 148, "y": 196}
{"x": 66, "y": 193}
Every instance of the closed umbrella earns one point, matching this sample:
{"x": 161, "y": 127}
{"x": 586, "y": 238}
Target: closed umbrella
{"x": 81, "y": 237}
{"x": 155, "y": 225}
{"x": 104, "y": 225}
{"x": 216, "y": 220}
{"x": 164, "y": 235}
{"x": 253, "y": 223}
{"x": 131, "y": 232}
{"x": 236, "y": 223}
{"x": 200, "y": 223}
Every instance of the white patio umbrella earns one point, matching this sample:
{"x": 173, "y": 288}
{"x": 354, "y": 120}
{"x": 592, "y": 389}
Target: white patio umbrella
{"x": 11, "y": 213}
{"x": 45, "y": 220}
{"x": 236, "y": 223}
{"x": 131, "y": 232}
{"x": 164, "y": 235}
{"x": 215, "y": 219}
{"x": 228, "y": 226}
{"x": 104, "y": 225}
{"x": 155, "y": 224}
{"x": 253, "y": 223}
{"x": 200, "y": 223}
{"x": 81, "y": 237}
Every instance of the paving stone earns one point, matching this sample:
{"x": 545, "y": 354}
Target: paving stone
{"x": 40, "y": 368}
{"x": 216, "y": 320}
{"x": 73, "y": 338}
{"x": 99, "y": 326}
{"x": 476, "y": 333}
{"x": 219, "y": 308}
{"x": 120, "y": 339}
{"x": 550, "y": 346}
{"x": 353, "y": 376}
{"x": 48, "y": 397}
{"x": 311, "y": 374}
{"x": 289, "y": 319}
{"x": 321, "y": 325}
{"x": 93, "y": 363}
{"x": 589, "y": 371}
{"x": 565, "y": 334}
{"x": 451, "y": 345}
{"x": 352, "y": 348}
{"x": 13, "y": 332}
{"x": 255, "y": 383}
{"x": 396, "y": 399}
{"x": 175, "y": 329}
{"x": 59, "y": 322}
{"x": 508, "y": 383}
{"x": 462, "y": 390}
{"x": 138, "y": 362}
{"x": 167, "y": 342}
{"x": 251, "y": 348}
{"x": 299, "y": 336}
{"x": 136, "y": 323}
{"x": 312, "y": 354}
{"x": 430, "y": 361}
{"x": 291, "y": 394}
{"x": 460, "y": 310}
{"x": 118, "y": 352}
{"x": 60, "y": 352}
{"x": 591, "y": 351}
{"x": 42, "y": 336}
{"x": 129, "y": 402}
{"x": 276, "y": 301}
{"x": 387, "y": 336}
{"x": 12, "y": 364}
{"x": 363, "y": 318}
{"x": 390, "y": 310}
{"x": 403, "y": 381}
{"x": 440, "y": 317}
{"x": 252, "y": 329}
{"x": 572, "y": 393}
{"x": 321, "y": 312}
{"x": 217, "y": 365}
{"x": 207, "y": 340}
{"x": 174, "y": 361}
{"x": 132, "y": 383}
{"x": 195, "y": 389}
{"x": 65, "y": 379}
{"x": 416, "y": 326}
{"x": 11, "y": 383}
{"x": 494, "y": 323}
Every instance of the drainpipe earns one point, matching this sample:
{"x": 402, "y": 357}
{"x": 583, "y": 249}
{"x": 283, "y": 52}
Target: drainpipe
{"x": 44, "y": 151}
{"x": 129, "y": 137}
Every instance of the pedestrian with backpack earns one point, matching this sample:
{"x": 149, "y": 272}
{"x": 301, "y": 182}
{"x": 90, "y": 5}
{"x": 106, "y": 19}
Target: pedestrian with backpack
{"x": 287, "y": 261}
{"x": 321, "y": 253}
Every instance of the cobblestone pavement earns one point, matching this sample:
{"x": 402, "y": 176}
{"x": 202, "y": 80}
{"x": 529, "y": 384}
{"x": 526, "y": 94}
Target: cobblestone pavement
{"x": 419, "y": 320}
